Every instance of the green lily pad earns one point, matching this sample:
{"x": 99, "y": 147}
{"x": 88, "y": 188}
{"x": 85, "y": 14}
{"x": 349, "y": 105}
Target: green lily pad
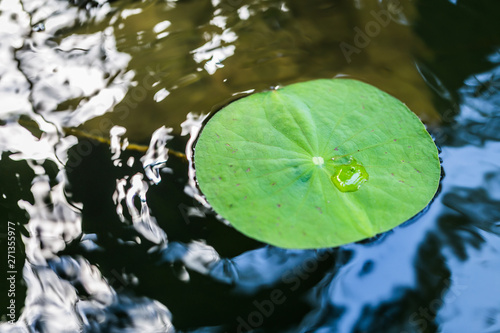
{"x": 316, "y": 164}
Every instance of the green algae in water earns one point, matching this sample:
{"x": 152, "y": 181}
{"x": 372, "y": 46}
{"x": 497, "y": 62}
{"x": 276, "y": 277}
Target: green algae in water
{"x": 349, "y": 177}
{"x": 264, "y": 163}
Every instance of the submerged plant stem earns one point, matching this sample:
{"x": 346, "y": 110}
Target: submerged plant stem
{"x": 31, "y": 125}
{"x": 130, "y": 146}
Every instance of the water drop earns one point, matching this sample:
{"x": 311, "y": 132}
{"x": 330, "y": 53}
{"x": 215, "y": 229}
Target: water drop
{"x": 349, "y": 177}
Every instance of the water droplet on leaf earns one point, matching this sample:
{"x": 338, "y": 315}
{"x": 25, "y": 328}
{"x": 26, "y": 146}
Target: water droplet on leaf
{"x": 349, "y": 177}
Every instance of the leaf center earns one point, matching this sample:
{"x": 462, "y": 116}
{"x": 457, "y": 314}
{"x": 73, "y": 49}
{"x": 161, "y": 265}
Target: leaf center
{"x": 318, "y": 160}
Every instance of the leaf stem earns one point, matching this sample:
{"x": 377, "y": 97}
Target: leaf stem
{"x": 86, "y": 135}
{"x": 131, "y": 146}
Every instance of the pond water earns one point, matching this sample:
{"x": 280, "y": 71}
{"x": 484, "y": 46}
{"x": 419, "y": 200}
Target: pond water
{"x": 103, "y": 229}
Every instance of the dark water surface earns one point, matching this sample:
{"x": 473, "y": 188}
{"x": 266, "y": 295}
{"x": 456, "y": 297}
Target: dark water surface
{"x": 102, "y": 229}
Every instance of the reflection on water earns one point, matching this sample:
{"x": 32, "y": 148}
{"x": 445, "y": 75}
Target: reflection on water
{"x": 106, "y": 229}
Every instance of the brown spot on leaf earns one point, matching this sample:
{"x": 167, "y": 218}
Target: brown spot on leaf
{"x": 247, "y": 170}
{"x": 278, "y": 205}
{"x": 274, "y": 183}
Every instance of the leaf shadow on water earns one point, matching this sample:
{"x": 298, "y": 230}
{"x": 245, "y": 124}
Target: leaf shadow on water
{"x": 117, "y": 248}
